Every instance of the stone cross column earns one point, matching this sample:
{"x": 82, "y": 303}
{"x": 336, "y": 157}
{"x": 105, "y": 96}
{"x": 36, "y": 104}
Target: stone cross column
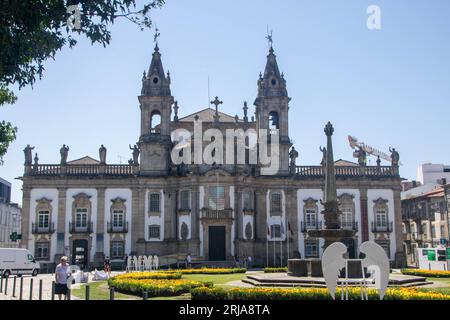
{"x": 100, "y": 225}
{"x": 26, "y": 216}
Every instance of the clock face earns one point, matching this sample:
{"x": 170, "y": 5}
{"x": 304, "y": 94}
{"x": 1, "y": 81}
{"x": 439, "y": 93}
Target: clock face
{"x": 273, "y": 82}
{"x": 155, "y": 80}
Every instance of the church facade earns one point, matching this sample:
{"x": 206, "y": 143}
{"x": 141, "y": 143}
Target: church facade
{"x": 88, "y": 209}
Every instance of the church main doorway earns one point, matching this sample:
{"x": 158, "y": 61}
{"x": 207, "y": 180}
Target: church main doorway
{"x": 217, "y": 243}
{"x": 80, "y": 253}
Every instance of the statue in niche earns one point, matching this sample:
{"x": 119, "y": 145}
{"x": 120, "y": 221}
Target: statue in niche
{"x": 102, "y": 154}
{"x": 184, "y": 231}
{"x": 64, "y": 151}
{"x": 28, "y": 155}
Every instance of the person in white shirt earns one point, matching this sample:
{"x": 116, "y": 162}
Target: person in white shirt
{"x": 61, "y": 274}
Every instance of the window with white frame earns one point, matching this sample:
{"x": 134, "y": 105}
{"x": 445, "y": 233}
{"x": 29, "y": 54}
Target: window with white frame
{"x": 117, "y": 249}
{"x": 311, "y": 248}
{"x": 155, "y": 205}
{"x": 310, "y": 218}
{"x": 185, "y": 202}
{"x": 81, "y": 217}
{"x": 154, "y": 231}
{"x": 275, "y": 230}
{"x": 216, "y": 197}
{"x": 43, "y": 218}
{"x": 118, "y": 218}
{"x": 381, "y": 218}
{"x": 275, "y": 203}
{"x": 42, "y": 250}
{"x": 347, "y": 217}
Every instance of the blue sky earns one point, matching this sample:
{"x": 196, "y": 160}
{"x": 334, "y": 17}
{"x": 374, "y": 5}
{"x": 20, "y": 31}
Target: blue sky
{"x": 388, "y": 87}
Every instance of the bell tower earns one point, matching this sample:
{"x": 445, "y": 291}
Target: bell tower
{"x": 272, "y": 108}
{"x": 156, "y": 103}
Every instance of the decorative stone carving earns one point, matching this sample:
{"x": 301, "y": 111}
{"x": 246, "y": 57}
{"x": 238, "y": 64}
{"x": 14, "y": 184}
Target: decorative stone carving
{"x": 102, "y": 154}
{"x": 248, "y": 231}
{"x": 28, "y": 155}
{"x": 64, "y": 152}
{"x": 395, "y": 157}
{"x": 184, "y": 231}
{"x": 136, "y": 152}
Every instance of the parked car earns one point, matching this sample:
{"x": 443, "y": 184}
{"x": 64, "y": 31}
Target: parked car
{"x": 17, "y": 261}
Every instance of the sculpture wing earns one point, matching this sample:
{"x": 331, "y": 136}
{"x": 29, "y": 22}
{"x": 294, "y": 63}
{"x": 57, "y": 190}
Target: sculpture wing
{"x": 332, "y": 262}
{"x": 376, "y": 257}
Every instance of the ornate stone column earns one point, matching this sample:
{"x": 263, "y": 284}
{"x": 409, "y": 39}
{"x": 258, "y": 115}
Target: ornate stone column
{"x": 400, "y": 257}
{"x": 364, "y": 223}
{"x": 61, "y": 217}
{"x": 99, "y": 255}
{"x": 26, "y": 216}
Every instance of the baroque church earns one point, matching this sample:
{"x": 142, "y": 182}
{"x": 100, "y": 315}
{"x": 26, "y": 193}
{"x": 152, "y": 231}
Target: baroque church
{"x": 89, "y": 209}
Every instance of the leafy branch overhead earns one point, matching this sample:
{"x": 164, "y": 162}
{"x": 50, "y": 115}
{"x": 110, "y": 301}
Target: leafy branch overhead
{"x": 33, "y": 31}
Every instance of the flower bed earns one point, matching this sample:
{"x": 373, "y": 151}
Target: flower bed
{"x": 275, "y": 270}
{"x": 308, "y": 294}
{"x": 155, "y": 287}
{"x": 427, "y": 273}
{"x": 149, "y": 275}
{"x": 209, "y": 271}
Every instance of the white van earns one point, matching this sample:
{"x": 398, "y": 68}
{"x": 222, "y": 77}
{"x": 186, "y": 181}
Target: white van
{"x": 17, "y": 261}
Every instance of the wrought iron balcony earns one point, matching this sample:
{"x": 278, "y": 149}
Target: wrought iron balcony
{"x": 350, "y": 226}
{"x": 88, "y": 228}
{"x": 117, "y": 229}
{"x": 36, "y": 229}
{"x": 304, "y": 227}
{"x": 207, "y": 213}
{"x": 382, "y": 229}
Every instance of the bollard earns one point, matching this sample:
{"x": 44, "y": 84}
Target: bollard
{"x": 88, "y": 292}
{"x": 53, "y": 290}
{"x": 145, "y": 295}
{"x": 68, "y": 296}
{"x": 21, "y": 288}
{"x": 6, "y": 285}
{"x": 111, "y": 293}
{"x": 1, "y": 282}
{"x": 40, "y": 289}
{"x": 14, "y": 286}
{"x": 31, "y": 289}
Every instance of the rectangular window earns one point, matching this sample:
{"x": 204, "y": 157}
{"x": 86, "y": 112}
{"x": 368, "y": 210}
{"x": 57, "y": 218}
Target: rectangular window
{"x": 216, "y": 198}
{"x": 118, "y": 218}
{"x": 310, "y": 218}
{"x": 381, "y": 218}
{"x": 275, "y": 230}
{"x": 248, "y": 200}
{"x": 275, "y": 203}
{"x": 81, "y": 217}
{"x": 185, "y": 200}
{"x": 433, "y": 232}
{"x": 311, "y": 249}
{"x": 346, "y": 218}
{"x": 43, "y": 218}
{"x": 117, "y": 249}
{"x": 155, "y": 202}
{"x": 154, "y": 231}
{"x": 42, "y": 250}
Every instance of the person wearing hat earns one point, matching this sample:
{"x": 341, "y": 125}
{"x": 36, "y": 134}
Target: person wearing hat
{"x": 61, "y": 275}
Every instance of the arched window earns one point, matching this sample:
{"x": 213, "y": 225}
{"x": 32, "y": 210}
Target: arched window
{"x": 274, "y": 122}
{"x": 155, "y": 121}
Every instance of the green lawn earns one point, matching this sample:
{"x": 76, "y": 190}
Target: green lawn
{"x": 100, "y": 291}
{"x": 445, "y": 282}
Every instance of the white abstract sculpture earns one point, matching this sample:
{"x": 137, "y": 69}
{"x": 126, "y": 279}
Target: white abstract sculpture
{"x": 147, "y": 263}
{"x": 135, "y": 263}
{"x": 129, "y": 264}
{"x": 156, "y": 262}
{"x": 376, "y": 262}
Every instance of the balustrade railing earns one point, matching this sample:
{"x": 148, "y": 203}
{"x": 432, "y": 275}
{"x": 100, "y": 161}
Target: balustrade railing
{"x": 117, "y": 228}
{"x": 388, "y": 227}
{"x": 86, "y": 228}
{"x": 80, "y": 170}
{"x": 208, "y": 213}
{"x": 347, "y": 171}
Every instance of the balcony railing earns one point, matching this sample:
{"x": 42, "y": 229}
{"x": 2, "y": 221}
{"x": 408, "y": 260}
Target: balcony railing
{"x": 350, "y": 226}
{"x": 80, "y": 170}
{"x": 207, "y": 213}
{"x": 348, "y": 171}
{"x": 304, "y": 227}
{"x": 88, "y": 228}
{"x": 380, "y": 229}
{"x": 117, "y": 229}
{"x": 36, "y": 229}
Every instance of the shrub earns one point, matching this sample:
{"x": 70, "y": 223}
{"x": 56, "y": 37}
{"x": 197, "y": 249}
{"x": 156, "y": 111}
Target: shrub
{"x": 427, "y": 273}
{"x": 275, "y": 270}
{"x": 309, "y": 294}
{"x": 209, "y": 271}
{"x": 155, "y": 287}
{"x": 149, "y": 275}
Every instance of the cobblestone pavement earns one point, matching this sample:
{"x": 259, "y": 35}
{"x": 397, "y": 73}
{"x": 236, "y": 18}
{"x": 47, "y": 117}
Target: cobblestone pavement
{"x": 47, "y": 280}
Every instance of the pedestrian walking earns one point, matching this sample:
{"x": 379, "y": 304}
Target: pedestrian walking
{"x": 107, "y": 266}
{"x": 62, "y": 273}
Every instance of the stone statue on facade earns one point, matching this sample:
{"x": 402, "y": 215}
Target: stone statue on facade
{"x": 64, "y": 151}
{"x": 102, "y": 154}
{"x": 362, "y": 157}
{"x": 28, "y": 155}
{"x": 293, "y": 155}
{"x": 136, "y": 152}
{"x": 324, "y": 156}
{"x": 395, "y": 157}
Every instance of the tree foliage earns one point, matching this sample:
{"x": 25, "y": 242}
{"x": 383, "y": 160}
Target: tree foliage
{"x": 32, "y": 31}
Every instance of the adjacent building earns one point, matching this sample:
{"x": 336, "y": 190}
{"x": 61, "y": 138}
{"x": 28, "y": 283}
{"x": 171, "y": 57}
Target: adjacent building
{"x": 10, "y": 217}
{"x": 88, "y": 208}
{"x": 433, "y": 173}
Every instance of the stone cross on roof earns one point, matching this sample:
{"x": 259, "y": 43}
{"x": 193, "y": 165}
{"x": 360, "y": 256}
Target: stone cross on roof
{"x": 216, "y": 103}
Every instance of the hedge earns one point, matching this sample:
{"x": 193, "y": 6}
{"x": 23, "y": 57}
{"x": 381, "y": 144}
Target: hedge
{"x": 208, "y": 271}
{"x": 149, "y": 275}
{"x": 275, "y": 270}
{"x": 309, "y": 294}
{"x": 155, "y": 287}
{"x": 427, "y": 273}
